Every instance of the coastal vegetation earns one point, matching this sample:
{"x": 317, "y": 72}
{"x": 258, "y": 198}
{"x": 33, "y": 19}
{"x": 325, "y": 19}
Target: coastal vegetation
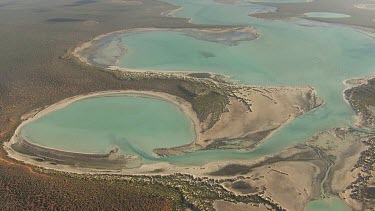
{"x": 361, "y": 98}
{"x": 25, "y": 188}
{"x": 33, "y": 75}
{"x": 199, "y": 92}
{"x": 37, "y": 71}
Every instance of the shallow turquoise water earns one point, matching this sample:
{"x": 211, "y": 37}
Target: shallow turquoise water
{"x": 95, "y": 125}
{"x": 328, "y": 204}
{"x": 326, "y": 15}
{"x": 285, "y": 54}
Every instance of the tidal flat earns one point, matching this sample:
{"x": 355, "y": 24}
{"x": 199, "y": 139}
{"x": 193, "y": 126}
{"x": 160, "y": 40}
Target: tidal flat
{"x": 33, "y": 75}
{"x": 317, "y": 164}
{"x": 301, "y": 70}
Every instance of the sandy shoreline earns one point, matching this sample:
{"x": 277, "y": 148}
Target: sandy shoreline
{"x": 182, "y": 104}
{"x": 185, "y": 106}
{"x": 277, "y": 121}
{"x": 273, "y": 172}
{"x": 79, "y": 50}
{"x": 170, "y": 168}
{"x": 144, "y": 169}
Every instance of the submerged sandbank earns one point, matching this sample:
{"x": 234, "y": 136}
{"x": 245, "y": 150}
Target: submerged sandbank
{"x": 325, "y": 15}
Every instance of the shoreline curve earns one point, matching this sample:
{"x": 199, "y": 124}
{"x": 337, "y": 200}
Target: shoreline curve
{"x": 181, "y": 104}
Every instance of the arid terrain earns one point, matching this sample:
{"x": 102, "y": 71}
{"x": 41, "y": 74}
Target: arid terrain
{"x": 40, "y": 71}
{"x": 34, "y": 75}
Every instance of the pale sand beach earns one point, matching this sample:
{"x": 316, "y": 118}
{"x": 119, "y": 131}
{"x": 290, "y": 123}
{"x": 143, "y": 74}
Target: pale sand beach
{"x": 365, "y": 6}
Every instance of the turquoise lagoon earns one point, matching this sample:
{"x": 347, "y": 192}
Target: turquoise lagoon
{"x": 286, "y": 54}
{"x": 95, "y": 125}
{"x": 327, "y": 204}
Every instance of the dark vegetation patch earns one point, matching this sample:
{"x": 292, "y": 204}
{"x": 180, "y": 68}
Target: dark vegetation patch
{"x": 243, "y": 187}
{"x": 361, "y": 98}
{"x": 21, "y": 189}
{"x": 157, "y": 171}
{"x": 213, "y": 104}
{"x": 208, "y": 100}
{"x": 64, "y": 20}
{"x": 370, "y": 192}
{"x": 231, "y": 170}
